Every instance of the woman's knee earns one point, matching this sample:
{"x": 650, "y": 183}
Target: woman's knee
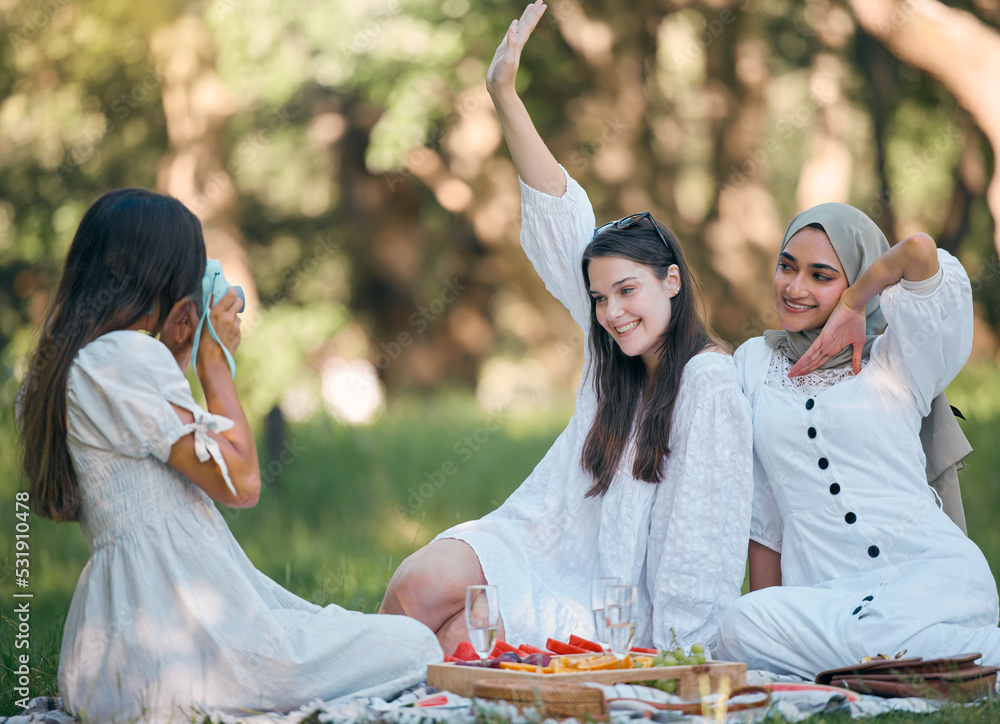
{"x": 430, "y": 583}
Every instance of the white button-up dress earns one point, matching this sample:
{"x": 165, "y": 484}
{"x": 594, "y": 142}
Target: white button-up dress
{"x": 870, "y": 564}
{"x": 682, "y": 541}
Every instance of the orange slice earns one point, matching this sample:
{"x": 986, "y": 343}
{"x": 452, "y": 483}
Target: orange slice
{"x": 529, "y": 668}
{"x": 601, "y": 663}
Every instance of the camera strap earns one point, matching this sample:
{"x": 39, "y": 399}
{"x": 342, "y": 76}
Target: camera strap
{"x": 206, "y": 322}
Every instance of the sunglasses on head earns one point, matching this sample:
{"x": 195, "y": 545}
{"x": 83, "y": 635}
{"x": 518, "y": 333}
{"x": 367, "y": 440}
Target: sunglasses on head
{"x": 632, "y": 221}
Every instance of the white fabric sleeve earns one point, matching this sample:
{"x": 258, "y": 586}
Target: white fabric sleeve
{"x": 119, "y": 394}
{"x": 554, "y": 233}
{"x": 929, "y": 336}
{"x": 765, "y": 523}
{"x": 923, "y": 286}
{"x": 700, "y": 520}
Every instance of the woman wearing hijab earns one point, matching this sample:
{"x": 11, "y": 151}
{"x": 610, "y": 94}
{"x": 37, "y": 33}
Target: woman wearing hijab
{"x": 850, "y": 553}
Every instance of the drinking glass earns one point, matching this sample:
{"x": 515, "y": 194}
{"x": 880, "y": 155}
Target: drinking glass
{"x": 597, "y": 587}
{"x": 482, "y": 614}
{"x": 619, "y": 615}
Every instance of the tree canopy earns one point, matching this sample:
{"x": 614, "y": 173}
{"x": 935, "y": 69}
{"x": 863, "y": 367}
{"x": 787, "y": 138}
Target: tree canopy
{"x": 350, "y": 173}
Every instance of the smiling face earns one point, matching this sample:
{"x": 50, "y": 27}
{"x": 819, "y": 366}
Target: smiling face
{"x": 632, "y": 304}
{"x": 808, "y": 281}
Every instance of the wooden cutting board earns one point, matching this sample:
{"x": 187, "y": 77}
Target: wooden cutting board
{"x": 692, "y": 681}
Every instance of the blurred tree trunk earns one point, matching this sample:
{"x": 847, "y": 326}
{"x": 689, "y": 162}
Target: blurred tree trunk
{"x": 826, "y": 175}
{"x": 197, "y": 106}
{"x": 882, "y": 68}
{"x": 956, "y": 48}
{"x": 744, "y": 236}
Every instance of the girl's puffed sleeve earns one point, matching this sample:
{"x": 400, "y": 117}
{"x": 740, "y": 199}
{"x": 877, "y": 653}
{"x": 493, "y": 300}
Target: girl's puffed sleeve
{"x": 554, "y": 233}
{"x": 119, "y": 394}
{"x": 929, "y": 336}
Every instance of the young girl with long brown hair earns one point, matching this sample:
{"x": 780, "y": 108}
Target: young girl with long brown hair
{"x": 652, "y": 479}
{"x": 169, "y": 615}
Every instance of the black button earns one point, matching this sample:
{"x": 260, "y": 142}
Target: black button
{"x": 824, "y": 463}
{"x": 850, "y": 518}
{"x": 873, "y": 551}
{"x": 856, "y": 611}
{"x": 868, "y": 598}
{"x": 834, "y": 488}
{"x": 812, "y": 432}
{"x": 810, "y": 403}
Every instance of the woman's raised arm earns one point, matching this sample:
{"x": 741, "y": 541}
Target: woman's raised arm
{"x": 912, "y": 259}
{"x": 535, "y": 164}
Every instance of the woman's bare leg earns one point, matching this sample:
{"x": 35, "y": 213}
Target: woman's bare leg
{"x": 430, "y": 587}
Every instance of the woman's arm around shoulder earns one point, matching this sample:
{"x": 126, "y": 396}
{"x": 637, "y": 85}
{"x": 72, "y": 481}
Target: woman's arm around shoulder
{"x": 913, "y": 259}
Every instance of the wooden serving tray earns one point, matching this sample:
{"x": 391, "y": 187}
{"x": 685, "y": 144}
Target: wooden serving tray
{"x": 692, "y": 681}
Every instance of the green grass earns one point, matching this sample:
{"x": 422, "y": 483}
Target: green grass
{"x": 349, "y": 507}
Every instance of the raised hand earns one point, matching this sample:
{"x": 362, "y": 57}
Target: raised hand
{"x": 844, "y": 328}
{"x": 503, "y": 69}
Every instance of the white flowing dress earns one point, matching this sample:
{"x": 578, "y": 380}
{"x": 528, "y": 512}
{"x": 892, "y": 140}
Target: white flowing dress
{"x": 870, "y": 564}
{"x": 682, "y": 541}
{"x": 169, "y": 613}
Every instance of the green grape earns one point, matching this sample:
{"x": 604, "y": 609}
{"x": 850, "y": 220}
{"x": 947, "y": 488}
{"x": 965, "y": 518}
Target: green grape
{"x": 699, "y": 658}
{"x": 690, "y": 660}
{"x": 670, "y": 686}
{"x": 697, "y": 648}
{"x": 669, "y": 661}
{"x": 678, "y": 653}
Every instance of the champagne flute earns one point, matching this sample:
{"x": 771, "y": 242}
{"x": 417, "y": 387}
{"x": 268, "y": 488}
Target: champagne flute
{"x": 482, "y": 614}
{"x": 619, "y": 615}
{"x": 597, "y": 588}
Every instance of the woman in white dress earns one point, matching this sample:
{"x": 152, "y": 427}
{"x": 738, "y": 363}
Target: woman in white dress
{"x": 651, "y": 481}
{"x": 169, "y": 615}
{"x": 850, "y": 553}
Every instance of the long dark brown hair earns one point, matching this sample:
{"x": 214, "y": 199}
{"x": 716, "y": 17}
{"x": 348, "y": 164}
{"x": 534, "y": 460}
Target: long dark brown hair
{"x": 134, "y": 249}
{"x": 627, "y": 393}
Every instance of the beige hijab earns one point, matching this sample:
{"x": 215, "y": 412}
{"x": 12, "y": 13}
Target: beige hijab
{"x": 858, "y": 242}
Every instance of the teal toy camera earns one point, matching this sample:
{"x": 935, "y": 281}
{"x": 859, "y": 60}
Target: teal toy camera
{"x": 213, "y": 287}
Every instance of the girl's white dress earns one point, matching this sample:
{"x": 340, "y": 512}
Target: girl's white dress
{"x": 169, "y": 612}
{"x": 682, "y": 541}
{"x": 870, "y": 564}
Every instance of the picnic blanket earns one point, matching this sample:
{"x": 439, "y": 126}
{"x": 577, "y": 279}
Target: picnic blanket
{"x": 404, "y": 709}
